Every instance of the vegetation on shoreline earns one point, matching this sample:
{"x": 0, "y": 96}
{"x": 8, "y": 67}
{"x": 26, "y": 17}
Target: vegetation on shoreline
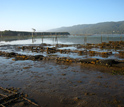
{"x": 24, "y": 33}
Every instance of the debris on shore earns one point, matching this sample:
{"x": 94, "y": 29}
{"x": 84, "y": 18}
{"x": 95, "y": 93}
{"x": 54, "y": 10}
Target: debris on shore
{"x": 11, "y": 97}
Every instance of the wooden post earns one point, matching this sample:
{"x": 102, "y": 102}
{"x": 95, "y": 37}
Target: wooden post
{"x": 1, "y": 34}
{"x": 120, "y": 37}
{"x": 56, "y": 39}
{"x": 108, "y": 38}
{"x": 101, "y": 38}
{"x": 32, "y": 37}
{"x": 32, "y": 34}
{"x": 42, "y": 40}
{"x": 85, "y": 40}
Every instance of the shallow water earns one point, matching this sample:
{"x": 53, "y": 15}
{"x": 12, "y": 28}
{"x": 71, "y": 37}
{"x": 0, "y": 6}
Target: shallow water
{"x": 98, "y": 38}
{"x": 12, "y": 44}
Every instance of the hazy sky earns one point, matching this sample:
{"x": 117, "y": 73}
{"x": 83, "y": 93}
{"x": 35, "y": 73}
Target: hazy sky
{"x": 48, "y": 14}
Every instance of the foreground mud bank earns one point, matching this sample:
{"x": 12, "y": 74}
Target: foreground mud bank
{"x": 51, "y": 84}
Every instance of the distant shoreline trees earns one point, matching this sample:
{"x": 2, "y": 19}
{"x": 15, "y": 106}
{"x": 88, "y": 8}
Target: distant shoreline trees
{"x": 23, "y": 33}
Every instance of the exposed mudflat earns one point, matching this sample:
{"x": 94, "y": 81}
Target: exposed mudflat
{"x": 52, "y": 84}
{"x": 73, "y": 75}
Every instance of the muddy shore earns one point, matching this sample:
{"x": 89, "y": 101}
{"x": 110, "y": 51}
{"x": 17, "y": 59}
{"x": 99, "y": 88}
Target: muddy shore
{"x": 64, "y": 85}
{"x": 65, "y": 82}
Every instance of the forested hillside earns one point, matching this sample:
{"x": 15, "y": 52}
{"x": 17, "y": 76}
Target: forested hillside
{"x": 99, "y": 28}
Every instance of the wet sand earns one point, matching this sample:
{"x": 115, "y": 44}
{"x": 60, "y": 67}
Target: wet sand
{"x": 50, "y": 84}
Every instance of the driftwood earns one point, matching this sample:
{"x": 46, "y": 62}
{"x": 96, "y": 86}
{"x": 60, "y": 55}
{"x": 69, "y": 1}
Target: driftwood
{"x": 30, "y": 102}
{"x": 13, "y": 97}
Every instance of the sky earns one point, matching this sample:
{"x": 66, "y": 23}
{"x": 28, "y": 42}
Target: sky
{"x": 23, "y": 15}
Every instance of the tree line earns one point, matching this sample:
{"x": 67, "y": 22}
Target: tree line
{"x": 22, "y": 33}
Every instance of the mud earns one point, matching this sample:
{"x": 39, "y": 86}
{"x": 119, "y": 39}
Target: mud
{"x": 64, "y": 85}
{"x": 52, "y": 81}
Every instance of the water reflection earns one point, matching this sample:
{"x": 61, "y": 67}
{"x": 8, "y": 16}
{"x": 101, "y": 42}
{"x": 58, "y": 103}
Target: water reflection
{"x": 63, "y": 40}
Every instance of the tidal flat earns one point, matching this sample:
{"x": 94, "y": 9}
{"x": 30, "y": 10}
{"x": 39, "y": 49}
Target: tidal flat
{"x": 65, "y": 75}
{"x": 63, "y": 85}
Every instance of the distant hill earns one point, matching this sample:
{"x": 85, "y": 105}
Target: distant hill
{"x": 99, "y": 28}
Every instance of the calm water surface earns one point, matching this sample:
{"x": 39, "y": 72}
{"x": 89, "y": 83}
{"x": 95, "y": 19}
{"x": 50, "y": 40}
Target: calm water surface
{"x": 10, "y": 44}
{"x": 66, "y": 40}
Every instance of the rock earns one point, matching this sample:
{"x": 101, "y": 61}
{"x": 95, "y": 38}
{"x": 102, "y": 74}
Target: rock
{"x": 80, "y": 52}
{"x": 13, "y": 59}
{"x": 38, "y": 57}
